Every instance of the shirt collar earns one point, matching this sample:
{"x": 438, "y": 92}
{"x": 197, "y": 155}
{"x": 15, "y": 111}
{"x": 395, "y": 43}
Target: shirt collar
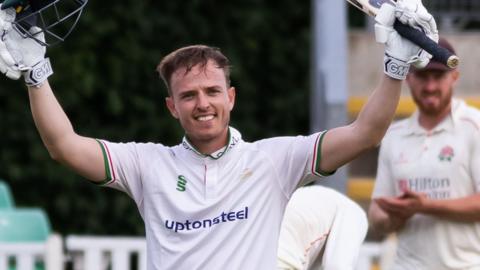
{"x": 447, "y": 124}
{"x": 234, "y": 137}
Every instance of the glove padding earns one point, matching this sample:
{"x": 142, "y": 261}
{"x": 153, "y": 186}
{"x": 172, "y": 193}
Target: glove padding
{"x": 7, "y": 63}
{"x": 414, "y": 14}
{"x": 22, "y": 55}
{"x": 399, "y": 52}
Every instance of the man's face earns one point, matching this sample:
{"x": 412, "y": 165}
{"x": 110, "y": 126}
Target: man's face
{"x": 202, "y": 103}
{"x": 432, "y": 90}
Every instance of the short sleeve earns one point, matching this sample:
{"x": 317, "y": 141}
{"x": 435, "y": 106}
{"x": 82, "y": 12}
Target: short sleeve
{"x": 123, "y": 167}
{"x": 384, "y": 184}
{"x": 295, "y": 159}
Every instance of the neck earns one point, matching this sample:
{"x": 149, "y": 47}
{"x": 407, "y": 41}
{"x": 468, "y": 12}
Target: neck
{"x": 429, "y": 122}
{"x": 210, "y": 146}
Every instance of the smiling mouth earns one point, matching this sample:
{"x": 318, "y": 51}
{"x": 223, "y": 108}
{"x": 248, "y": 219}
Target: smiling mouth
{"x": 205, "y": 118}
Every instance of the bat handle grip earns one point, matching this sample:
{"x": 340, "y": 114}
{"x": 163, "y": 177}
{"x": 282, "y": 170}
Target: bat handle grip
{"x": 416, "y": 36}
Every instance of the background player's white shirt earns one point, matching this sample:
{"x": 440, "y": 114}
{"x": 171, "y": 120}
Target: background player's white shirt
{"x": 444, "y": 164}
{"x": 221, "y": 211}
{"x": 321, "y": 229}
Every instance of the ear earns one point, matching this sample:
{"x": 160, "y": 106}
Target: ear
{"x": 455, "y": 75}
{"x": 231, "y": 97}
{"x": 409, "y": 75}
{"x": 409, "y": 78}
{"x": 171, "y": 106}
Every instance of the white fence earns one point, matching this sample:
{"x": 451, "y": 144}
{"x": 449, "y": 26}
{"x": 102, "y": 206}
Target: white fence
{"x": 98, "y": 253}
{"x": 26, "y": 254}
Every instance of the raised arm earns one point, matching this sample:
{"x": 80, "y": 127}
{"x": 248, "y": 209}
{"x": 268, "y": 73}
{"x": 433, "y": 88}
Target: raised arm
{"x": 82, "y": 154}
{"x": 25, "y": 57}
{"x": 341, "y": 145}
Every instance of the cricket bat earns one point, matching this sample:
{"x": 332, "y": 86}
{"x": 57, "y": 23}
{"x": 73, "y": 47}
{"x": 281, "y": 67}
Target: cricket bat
{"x": 371, "y": 7}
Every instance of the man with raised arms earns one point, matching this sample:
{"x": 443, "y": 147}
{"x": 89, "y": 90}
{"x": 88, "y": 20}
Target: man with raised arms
{"x": 212, "y": 171}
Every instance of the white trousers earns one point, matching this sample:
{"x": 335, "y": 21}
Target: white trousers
{"x": 321, "y": 229}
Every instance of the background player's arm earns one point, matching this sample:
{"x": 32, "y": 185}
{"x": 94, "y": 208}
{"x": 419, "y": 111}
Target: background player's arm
{"x": 382, "y": 222}
{"x": 82, "y": 154}
{"x": 466, "y": 209}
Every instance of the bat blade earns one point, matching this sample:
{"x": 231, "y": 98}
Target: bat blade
{"x": 369, "y": 7}
{"x": 378, "y": 3}
{"x": 416, "y": 36}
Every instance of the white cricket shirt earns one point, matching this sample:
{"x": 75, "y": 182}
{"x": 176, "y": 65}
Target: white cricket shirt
{"x": 221, "y": 211}
{"x": 444, "y": 164}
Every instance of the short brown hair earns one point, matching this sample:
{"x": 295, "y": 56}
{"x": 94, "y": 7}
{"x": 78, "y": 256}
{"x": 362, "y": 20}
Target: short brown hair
{"x": 189, "y": 57}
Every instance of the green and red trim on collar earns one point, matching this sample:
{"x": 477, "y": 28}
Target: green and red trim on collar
{"x": 234, "y": 138}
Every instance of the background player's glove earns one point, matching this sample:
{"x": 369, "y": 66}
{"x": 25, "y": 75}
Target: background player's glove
{"x": 27, "y": 56}
{"x": 399, "y": 52}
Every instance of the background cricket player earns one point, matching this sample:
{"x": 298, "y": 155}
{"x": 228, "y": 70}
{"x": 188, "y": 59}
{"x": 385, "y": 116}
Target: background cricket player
{"x": 428, "y": 177}
{"x": 321, "y": 229}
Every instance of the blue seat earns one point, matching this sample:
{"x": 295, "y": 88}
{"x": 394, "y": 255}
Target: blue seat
{"x": 24, "y": 225}
{"x": 6, "y": 198}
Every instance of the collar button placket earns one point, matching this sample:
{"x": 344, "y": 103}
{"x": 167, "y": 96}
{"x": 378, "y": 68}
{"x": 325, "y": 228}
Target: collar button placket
{"x": 211, "y": 172}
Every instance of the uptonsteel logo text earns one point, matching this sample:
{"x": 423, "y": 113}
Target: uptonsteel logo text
{"x": 206, "y": 223}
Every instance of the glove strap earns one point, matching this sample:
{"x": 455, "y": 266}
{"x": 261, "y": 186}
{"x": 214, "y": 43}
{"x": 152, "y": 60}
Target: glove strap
{"x": 38, "y": 73}
{"x": 395, "y": 68}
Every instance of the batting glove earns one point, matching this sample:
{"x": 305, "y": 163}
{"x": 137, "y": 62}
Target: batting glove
{"x": 7, "y": 63}
{"x": 414, "y": 14}
{"x": 28, "y": 56}
{"x": 399, "y": 52}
